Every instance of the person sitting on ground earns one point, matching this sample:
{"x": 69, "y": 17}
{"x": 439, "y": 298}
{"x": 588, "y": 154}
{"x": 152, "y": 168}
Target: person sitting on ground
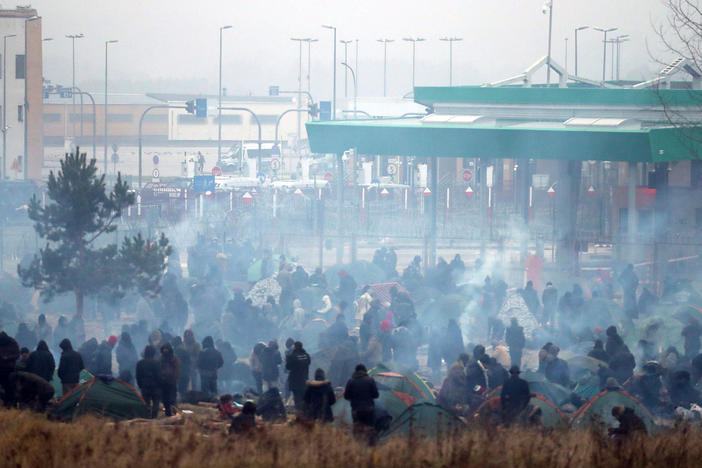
{"x": 227, "y": 408}
{"x": 598, "y": 352}
{"x": 271, "y": 407}
{"x": 319, "y": 398}
{"x": 245, "y": 421}
{"x": 629, "y": 423}
{"x": 31, "y": 390}
{"x": 23, "y": 359}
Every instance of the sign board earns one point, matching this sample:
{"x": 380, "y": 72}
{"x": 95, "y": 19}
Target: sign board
{"x": 65, "y": 93}
{"x": 203, "y": 183}
{"x": 392, "y": 169}
{"x": 155, "y": 174}
{"x": 156, "y": 159}
{"x": 467, "y": 175}
{"x": 273, "y": 90}
{"x": 328, "y": 177}
{"x": 216, "y": 171}
{"x": 275, "y": 164}
{"x": 325, "y": 110}
{"x": 539, "y": 181}
{"x": 488, "y": 175}
{"x": 201, "y": 107}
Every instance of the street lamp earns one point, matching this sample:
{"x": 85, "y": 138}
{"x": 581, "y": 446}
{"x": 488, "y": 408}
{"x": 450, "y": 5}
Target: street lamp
{"x": 451, "y": 40}
{"x": 299, "y": 87}
{"x": 219, "y": 97}
{"x": 548, "y": 6}
{"x": 309, "y": 61}
{"x": 355, "y": 88}
{"x": 4, "y": 103}
{"x": 619, "y": 40}
{"x": 73, "y": 38}
{"x": 113, "y": 41}
{"x": 566, "y": 56}
{"x": 385, "y": 64}
{"x": 414, "y": 41}
{"x": 604, "y": 49}
{"x": 580, "y": 28}
{"x": 346, "y": 59}
{"x": 333, "y": 116}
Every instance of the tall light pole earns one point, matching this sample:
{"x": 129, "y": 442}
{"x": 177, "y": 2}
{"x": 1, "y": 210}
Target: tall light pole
{"x": 414, "y": 41}
{"x": 356, "y": 64}
{"x": 451, "y": 40}
{"x": 4, "y": 103}
{"x": 333, "y": 116}
{"x": 73, "y": 38}
{"x": 309, "y": 62}
{"x": 620, "y": 39}
{"x": 566, "y": 56}
{"x": 219, "y": 97}
{"x": 548, "y": 6}
{"x": 604, "y": 49}
{"x": 299, "y": 86}
{"x": 113, "y": 41}
{"x": 346, "y": 59}
{"x": 355, "y": 89}
{"x": 579, "y": 28}
{"x": 385, "y": 64}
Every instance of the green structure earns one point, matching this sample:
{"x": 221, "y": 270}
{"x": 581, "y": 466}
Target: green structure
{"x": 106, "y": 397}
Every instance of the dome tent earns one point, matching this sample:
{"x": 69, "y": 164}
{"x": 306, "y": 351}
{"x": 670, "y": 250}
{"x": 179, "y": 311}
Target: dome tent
{"x": 102, "y": 396}
{"x": 599, "y": 410}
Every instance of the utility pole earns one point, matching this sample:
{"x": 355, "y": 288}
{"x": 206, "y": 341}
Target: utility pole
{"x": 219, "y": 97}
{"x": 604, "y": 50}
{"x": 451, "y": 40}
{"x": 346, "y": 72}
{"x": 113, "y": 41}
{"x": 73, "y": 38}
{"x": 549, "y": 5}
{"x": 299, "y": 87}
{"x": 385, "y": 64}
{"x": 309, "y": 62}
{"x": 580, "y": 28}
{"x": 414, "y": 41}
{"x": 333, "y": 116}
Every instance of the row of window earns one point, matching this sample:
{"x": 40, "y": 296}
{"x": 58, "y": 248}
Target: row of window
{"x": 20, "y": 67}
{"x": 54, "y": 117}
{"x": 189, "y": 119}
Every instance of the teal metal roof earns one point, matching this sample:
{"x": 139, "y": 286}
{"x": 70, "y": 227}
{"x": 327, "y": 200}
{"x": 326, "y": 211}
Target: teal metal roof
{"x": 558, "y": 96}
{"x": 411, "y": 137}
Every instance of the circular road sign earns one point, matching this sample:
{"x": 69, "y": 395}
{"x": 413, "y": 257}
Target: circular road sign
{"x": 275, "y": 164}
{"x": 328, "y": 177}
{"x": 467, "y": 175}
{"x": 155, "y": 159}
{"x": 216, "y": 171}
{"x": 155, "y": 173}
{"x": 392, "y": 169}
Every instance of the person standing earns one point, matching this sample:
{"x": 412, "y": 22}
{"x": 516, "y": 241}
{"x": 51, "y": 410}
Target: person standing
{"x": 209, "y": 361}
{"x": 193, "y": 348}
{"x": 319, "y": 398}
{"x": 41, "y": 362}
{"x": 691, "y": 334}
{"x": 297, "y": 364}
{"x": 270, "y": 365}
{"x": 549, "y": 298}
{"x": 126, "y": 354}
{"x": 514, "y": 336}
{"x": 148, "y": 377}
{"x": 361, "y": 391}
{"x": 70, "y": 365}
{"x": 9, "y": 352}
{"x": 515, "y": 396}
{"x": 170, "y": 372}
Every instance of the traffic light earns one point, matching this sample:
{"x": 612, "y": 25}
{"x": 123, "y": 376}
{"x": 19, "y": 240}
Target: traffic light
{"x": 313, "y": 109}
{"x": 190, "y": 107}
{"x": 201, "y": 107}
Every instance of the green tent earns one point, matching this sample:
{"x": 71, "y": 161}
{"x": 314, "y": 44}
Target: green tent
{"x": 85, "y": 375}
{"x": 556, "y": 394}
{"x": 599, "y": 410}
{"x": 490, "y": 411}
{"x": 102, "y": 396}
{"x": 424, "y": 419}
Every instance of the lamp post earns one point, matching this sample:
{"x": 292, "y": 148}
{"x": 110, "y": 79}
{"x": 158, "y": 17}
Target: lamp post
{"x": 346, "y": 59}
{"x": 299, "y": 86}
{"x": 548, "y": 6}
{"x": 579, "y": 28}
{"x": 414, "y": 41}
{"x": 355, "y": 88}
{"x": 73, "y": 38}
{"x": 309, "y": 61}
{"x": 219, "y": 97}
{"x": 333, "y": 116}
{"x": 4, "y": 103}
{"x": 356, "y": 64}
{"x": 566, "y": 56}
{"x": 604, "y": 49}
{"x": 619, "y": 40}
{"x": 451, "y": 40}
{"x": 113, "y": 41}
{"x": 385, "y": 64}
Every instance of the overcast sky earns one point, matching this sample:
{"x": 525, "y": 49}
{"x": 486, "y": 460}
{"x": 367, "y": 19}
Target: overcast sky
{"x": 173, "y": 44}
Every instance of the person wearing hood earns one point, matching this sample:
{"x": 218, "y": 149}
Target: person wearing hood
{"x": 515, "y": 396}
{"x": 88, "y": 351}
{"x": 245, "y": 421}
{"x": 43, "y": 330}
{"x": 319, "y": 398}
{"x": 182, "y": 354}
{"x": 41, "y": 362}
{"x": 256, "y": 364}
{"x": 126, "y": 354}
{"x": 9, "y": 353}
{"x": 454, "y": 390}
{"x": 361, "y": 391}
{"x": 452, "y": 342}
{"x": 549, "y": 298}
{"x": 208, "y": 362}
{"x": 682, "y": 393}
{"x": 148, "y": 377}
{"x": 297, "y": 363}
{"x": 557, "y": 370}
{"x": 62, "y": 330}
{"x": 193, "y": 348}
{"x": 514, "y": 336}
{"x": 614, "y": 341}
{"x": 70, "y": 365}
{"x": 103, "y": 357}
{"x": 598, "y": 352}
{"x": 299, "y": 315}
{"x": 338, "y": 332}
{"x": 629, "y": 423}
{"x": 691, "y": 334}
{"x": 300, "y": 278}
{"x": 270, "y": 365}
{"x": 318, "y": 279}
{"x": 347, "y": 287}
{"x": 170, "y": 372}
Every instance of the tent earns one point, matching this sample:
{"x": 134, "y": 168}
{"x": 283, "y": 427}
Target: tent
{"x": 84, "y": 376}
{"x": 557, "y": 394}
{"x": 424, "y": 419}
{"x": 102, "y": 396}
{"x": 551, "y": 416}
{"x": 599, "y": 410}
{"x": 381, "y": 291}
{"x": 515, "y": 307}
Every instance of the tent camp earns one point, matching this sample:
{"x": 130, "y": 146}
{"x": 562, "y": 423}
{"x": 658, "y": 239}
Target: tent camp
{"x": 84, "y": 376}
{"x": 490, "y": 411}
{"x": 102, "y": 396}
{"x": 599, "y": 410}
{"x": 424, "y": 419}
{"x": 381, "y": 291}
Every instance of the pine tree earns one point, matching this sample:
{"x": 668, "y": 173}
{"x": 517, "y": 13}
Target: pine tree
{"x": 78, "y": 213}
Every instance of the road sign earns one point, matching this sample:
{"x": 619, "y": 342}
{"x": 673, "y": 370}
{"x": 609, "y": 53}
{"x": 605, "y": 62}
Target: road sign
{"x": 261, "y": 177}
{"x": 328, "y": 177}
{"x": 275, "y": 164}
{"x": 426, "y": 192}
{"x": 325, "y": 110}
{"x": 384, "y": 192}
{"x": 467, "y": 175}
{"x": 155, "y": 159}
{"x": 392, "y": 169}
{"x": 247, "y": 197}
{"x": 203, "y": 183}
{"x": 469, "y": 191}
{"x": 216, "y": 171}
{"x": 155, "y": 174}
{"x": 201, "y": 107}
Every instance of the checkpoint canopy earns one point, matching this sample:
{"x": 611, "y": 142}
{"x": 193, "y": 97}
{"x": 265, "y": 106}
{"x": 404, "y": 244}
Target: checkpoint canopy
{"x": 632, "y": 125}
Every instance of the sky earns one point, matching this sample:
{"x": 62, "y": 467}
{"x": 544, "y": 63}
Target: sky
{"x": 173, "y": 45}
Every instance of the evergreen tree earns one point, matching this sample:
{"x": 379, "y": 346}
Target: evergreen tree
{"x": 78, "y": 213}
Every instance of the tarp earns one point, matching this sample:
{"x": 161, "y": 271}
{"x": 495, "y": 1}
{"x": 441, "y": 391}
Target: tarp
{"x": 381, "y": 291}
{"x": 599, "y": 410}
{"x": 424, "y": 419}
{"x": 84, "y": 376}
{"x": 490, "y": 411}
{"x": 515, "y": 307}
{"x": 102, "y": 396}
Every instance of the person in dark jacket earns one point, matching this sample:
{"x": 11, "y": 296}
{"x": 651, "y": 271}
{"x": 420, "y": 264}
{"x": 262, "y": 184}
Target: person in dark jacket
{"x": 148, "y": 377}
{"x": 515, "y": 396}
{"x": 70, "y": 365}
{"x": 614, "y": 341}
{"x": 126, "y": 354}
{"x": 514, "y": 336}
{"x": 270, "y": 406}
{"x": 26, "y": 337}
{"x": 629, "y": 423}
{"x": 41, "y": 362}
{"x": 183, "y": 355}
{"x": 531, "y": 298}
{"x": 297, "y": 363}
{"x": 692, "y": 333}
{"x": 452, "y": 342}
{"x": 208, "y": 362}
{"x": 549, "y": 298}
{"x": 338, "y": 332}
{"x": 300, "y": 278}
{"x": 103, "y": 357}
{"x": 245, "y": 421}
{"x": 9, "y": 352}
{"x": 88, "y": 351}
{"x": 598, "y": 352}
{"x": 170, "y": 372}
{"x": 557, "y": 370}
{"x": 682, "y": 393}
{"x": 360, "y": 392}
{"x": 319, "y": 398}
{"x": 270, "y": 362}
{"x": 31, "y": 390}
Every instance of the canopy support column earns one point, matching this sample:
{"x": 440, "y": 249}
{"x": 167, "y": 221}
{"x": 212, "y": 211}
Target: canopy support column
{"x": 340, "y": 209}
{"x": 631, "y": 226}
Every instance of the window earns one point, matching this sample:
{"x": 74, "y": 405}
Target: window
{"x": 266, "y": 119}
{"x": 156, "y": 118}
{"x": 119, "y": 117}
{"x": 86, "y": 117}
{"x": 53, "y": 117}
{"x": 20, "y": 114}
{"x": 20, "y": 71}
{"x": 229, "y": 119}
{"x": 189, "y": 119}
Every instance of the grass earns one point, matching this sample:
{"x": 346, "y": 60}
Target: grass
{"x": 30, "y": 440}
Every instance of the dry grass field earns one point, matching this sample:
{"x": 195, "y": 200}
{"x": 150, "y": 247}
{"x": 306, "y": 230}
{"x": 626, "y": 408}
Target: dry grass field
{"x": 30, "y": 440}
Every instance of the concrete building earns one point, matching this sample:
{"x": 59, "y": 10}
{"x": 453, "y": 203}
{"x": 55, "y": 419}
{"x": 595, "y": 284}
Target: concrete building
{"x": 22, "y": 93}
